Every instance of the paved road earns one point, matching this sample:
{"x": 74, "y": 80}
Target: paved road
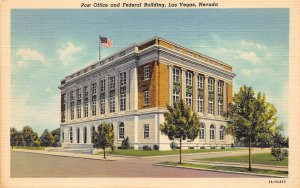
{"x": 39, "y": 165}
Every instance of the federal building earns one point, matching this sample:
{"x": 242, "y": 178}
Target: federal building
{"x": 132, "y": 88}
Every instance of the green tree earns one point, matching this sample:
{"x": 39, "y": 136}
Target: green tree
{"x": 46, "y": 138}
{"x": 15, "y": 138}
{"x": 250, "y": 118}
{"x": 28, "y": 135}
{"x": 56, "y": 137}
{"x": 180, "y": 123}
{"x": 104, "y": 137}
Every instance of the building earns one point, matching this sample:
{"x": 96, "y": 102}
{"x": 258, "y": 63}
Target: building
{"x": 131, "y": 89}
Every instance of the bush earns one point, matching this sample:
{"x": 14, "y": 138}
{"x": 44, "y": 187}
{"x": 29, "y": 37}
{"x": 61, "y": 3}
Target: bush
{"x": 279, "y": 153}
{"x": 147, "y": 148}
{"x": 126, "y": 143}
{"x": 202, "y": 147}
{"x": 212, "y": 147}
{"x": 222, "y": 147}
{"x": 155, "y": 147}
{"x": 36, "y": 143}
{"x": 173, "y": 145}
{"x": 232, "y": 145}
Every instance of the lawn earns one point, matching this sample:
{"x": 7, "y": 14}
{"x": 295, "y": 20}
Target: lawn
{"x": 228, "y": 168}
{"x": 143, "y": 153}
{"x": 29, "y": 147}
{"x": 260, "y": 158}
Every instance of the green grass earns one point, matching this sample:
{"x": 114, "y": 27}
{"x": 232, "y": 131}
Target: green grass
{"x": 260, "y": 158}
{"x": 29, "y": 147}
{"x": 229, "y": 168}
{"x": 143, "y": 153}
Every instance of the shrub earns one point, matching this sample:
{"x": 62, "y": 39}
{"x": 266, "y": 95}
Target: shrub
{"x": 202, "y": 147}
{"x": 125, "y": 143}
{"x": 212, "y": 147}
{"x": 173, "y": 145}
{"x": 36, "y": 143}
{"x": 279, "y": 153}
{"x": 232, "y": 145}
{"x": 147, "y": 148}
{"x": 155, "y": 147}
{"x": 222, "y": 147}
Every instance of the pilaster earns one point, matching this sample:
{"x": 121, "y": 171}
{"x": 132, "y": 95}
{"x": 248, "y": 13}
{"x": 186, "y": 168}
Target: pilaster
{"x": 216, "y": 96}
{"x": 183, "y": 83}
{"x": 170, "y": 84}
{"x": 205, "y": 99}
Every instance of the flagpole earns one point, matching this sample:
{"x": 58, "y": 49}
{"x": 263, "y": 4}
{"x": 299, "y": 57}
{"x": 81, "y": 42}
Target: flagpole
{"x": 99, "y": 47}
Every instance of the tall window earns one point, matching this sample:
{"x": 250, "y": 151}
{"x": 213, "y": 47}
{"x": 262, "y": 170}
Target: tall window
{"x": 94, "y": 88}
{"x": 202, "y": 131}
{"x": 123, "y": 79}
{"x": 210, "y": 106}
{"x": 146, "y": 72}
{"x": 146, "y": 131}
{"x": 200, "y": 104}
{"x": 78, "y": 102}
{"x": 220, "y": 106}
{"x": 112, "y": 83}
{"x": 102, "y": 106}
{"x": 78, "y": 135}
{"x": 146, "y": 98}
{"x": 220, "y": 87}
{"x": 200, "y": 81}
{"x": 102, "y": 85}
{"x": 93, "y": 133}
{"x": 71, "y": 135}
{"x": 188, "y": 99}
{"x": 123, "y": 102}
{"x": 94, "y": 98}
{"x": 121, "y": 131}
{"x": 176, "y": 72}
{"x": 78, "y": 94}
{"x": 212, "y": 132}
{"x": 112, "y": 104}
{"x": 84, "y": 134}
{"x": 222, "y": 132}
{"x": 72, "y": 104}
{"x": 176, "y": 96}
{"x": 78, "y": 110}
{"x": 210, "y": 84}
{"x": 188, "y": 79}
{"x": 86, "y": 109}
{"x": 86, "y": 92}
{"x": 94, "y": 107}
{"x": 86, "y": 101}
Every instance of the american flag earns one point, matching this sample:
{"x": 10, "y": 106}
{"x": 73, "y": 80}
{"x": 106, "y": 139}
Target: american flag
{"x": 106, "y": 42}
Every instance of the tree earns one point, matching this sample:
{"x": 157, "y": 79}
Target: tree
{"x": 104, "y": 137}
{"x": 56, "y": 137}
{"x": 46, "y": 138}
{"x": 28, "y": 135}
{"x": 180, "y": 123}
{"x": 250, "y": 118}
{"x": 15, "y": 137}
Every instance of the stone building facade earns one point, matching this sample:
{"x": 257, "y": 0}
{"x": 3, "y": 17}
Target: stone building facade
{"x": 132, "y": 88}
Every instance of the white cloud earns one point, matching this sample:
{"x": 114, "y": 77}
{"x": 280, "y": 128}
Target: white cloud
{"x": 250, "y": 44}
{"x": 66, "y": 54}
{"x": 29, "y": 56}
{"x": 249, "y": 56}
{"x": 250, "y": 72}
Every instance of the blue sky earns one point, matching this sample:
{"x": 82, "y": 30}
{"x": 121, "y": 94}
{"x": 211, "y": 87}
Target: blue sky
{"x": 47, "y": 45}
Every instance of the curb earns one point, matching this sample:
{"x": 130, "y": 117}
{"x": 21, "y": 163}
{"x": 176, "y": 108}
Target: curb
{"x": 224, "y": 171}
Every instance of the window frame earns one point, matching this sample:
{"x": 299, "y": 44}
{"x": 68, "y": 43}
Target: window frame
{"x": 176, "y": 75}
{"x": 220, "y": 87}
{"x": 146, "y": 132}
{"x": 122, "y": 79}
{"x": 212, "y": 132}
{"x": 146, "y": 72}
{"x": 123, "y": 102}
{"x": 146, "y": 97}
{"x": 220, "y": 107}
{"x": 121, "y": 131}
{"x": 210, "y": 106}
{"x": 222, "y": 132}
{"x": 210, "y": 85}
{"x": 112, "y": 104}
{"x": 102, "y": 85}
{"x": 189, "y": 99}
{"x": 176, "y": 97}
{"x": 112, "y": 82}
{"x": 189, "y": 78}
{"x": 202, "y": 131}
{"x": 200, "y": 80}
{"x": 200, "y": 104}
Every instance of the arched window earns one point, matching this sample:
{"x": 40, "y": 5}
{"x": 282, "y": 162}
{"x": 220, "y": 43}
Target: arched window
{"x": 84, "y": 134}
{"x": 121, "y": 130}
{"x": 202, "y": 131}
{"x": 222, "y": 132}
{"x": 71, "y": 135}
{"x": 78, "y": 135}
{"x": 212, "y": 132}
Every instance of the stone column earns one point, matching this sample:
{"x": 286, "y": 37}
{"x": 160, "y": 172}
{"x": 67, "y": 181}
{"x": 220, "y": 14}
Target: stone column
{"x": 136, "y": 131}
{"x": 171, "y": 85}
{"x": 74, "y": 132}
{"x": 133, "y": 89}
{"x": 205, "y": 94}
{"x": 67, "y": 106}
{"x": 107, "y": 110}
{"x": 89, "y": 134}
{"x": 117, "y": 93}
{"x": 183, "y": 84}
{"x": 97, "y": 97}
{"x": 127, "y": 90}
{"x": 224, "y": 97}
{"x": 216, "y": 97}
{"x": 195, "y": 91}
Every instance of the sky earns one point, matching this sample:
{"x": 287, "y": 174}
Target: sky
{"x": 49, "y": 44}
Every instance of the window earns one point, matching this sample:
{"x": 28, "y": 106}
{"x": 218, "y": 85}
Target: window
{"x": 94, "y": 88}
{"x": 188, "y": 100}
{"x": 176, "y": 96}
{"x": 71, "y": 135}
{"x": 78, "y": 94}
{"x": 220, "y": 105}
{"x": 220, "y": 87}
{"x": 146, "y": 72}
{"x": 212, "y": 132}
{"x": 122, "y": 102}
{"x": 112, "y": 82}
{"x": 112, "y": 104}
{"x": 86, "y": 92}
{"x": 78, "y": 135}
{"x": 202, "y": 131}
{"x": 121, "y": 131}
{"x": 63, "y": 136}
{"x": 146, "y": 131}
{"x": 200, "y": 81}
{"x": 102, "y": 85}
{"x": 93, "y": 133}
{"x": 102, "y": 106}
{"x": 200, "y": 104}
{"x": 176, "y": 72}
{"x": 78, "y": 110}
{"x": 84, "y": 134}
{"x": 94, "y": 107}
{"x": 210, "y": 84}
{"x": 188, "y": 78}
{"x": 86, "y": 109}
{"x": 71, "y": 95}
{"x": 222, "y": 132}
{"x": 146, "y": 98}
{"x": 72, "y": 104}
{"x": 123, "y": 79}
{"x": 210, "y": 106}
